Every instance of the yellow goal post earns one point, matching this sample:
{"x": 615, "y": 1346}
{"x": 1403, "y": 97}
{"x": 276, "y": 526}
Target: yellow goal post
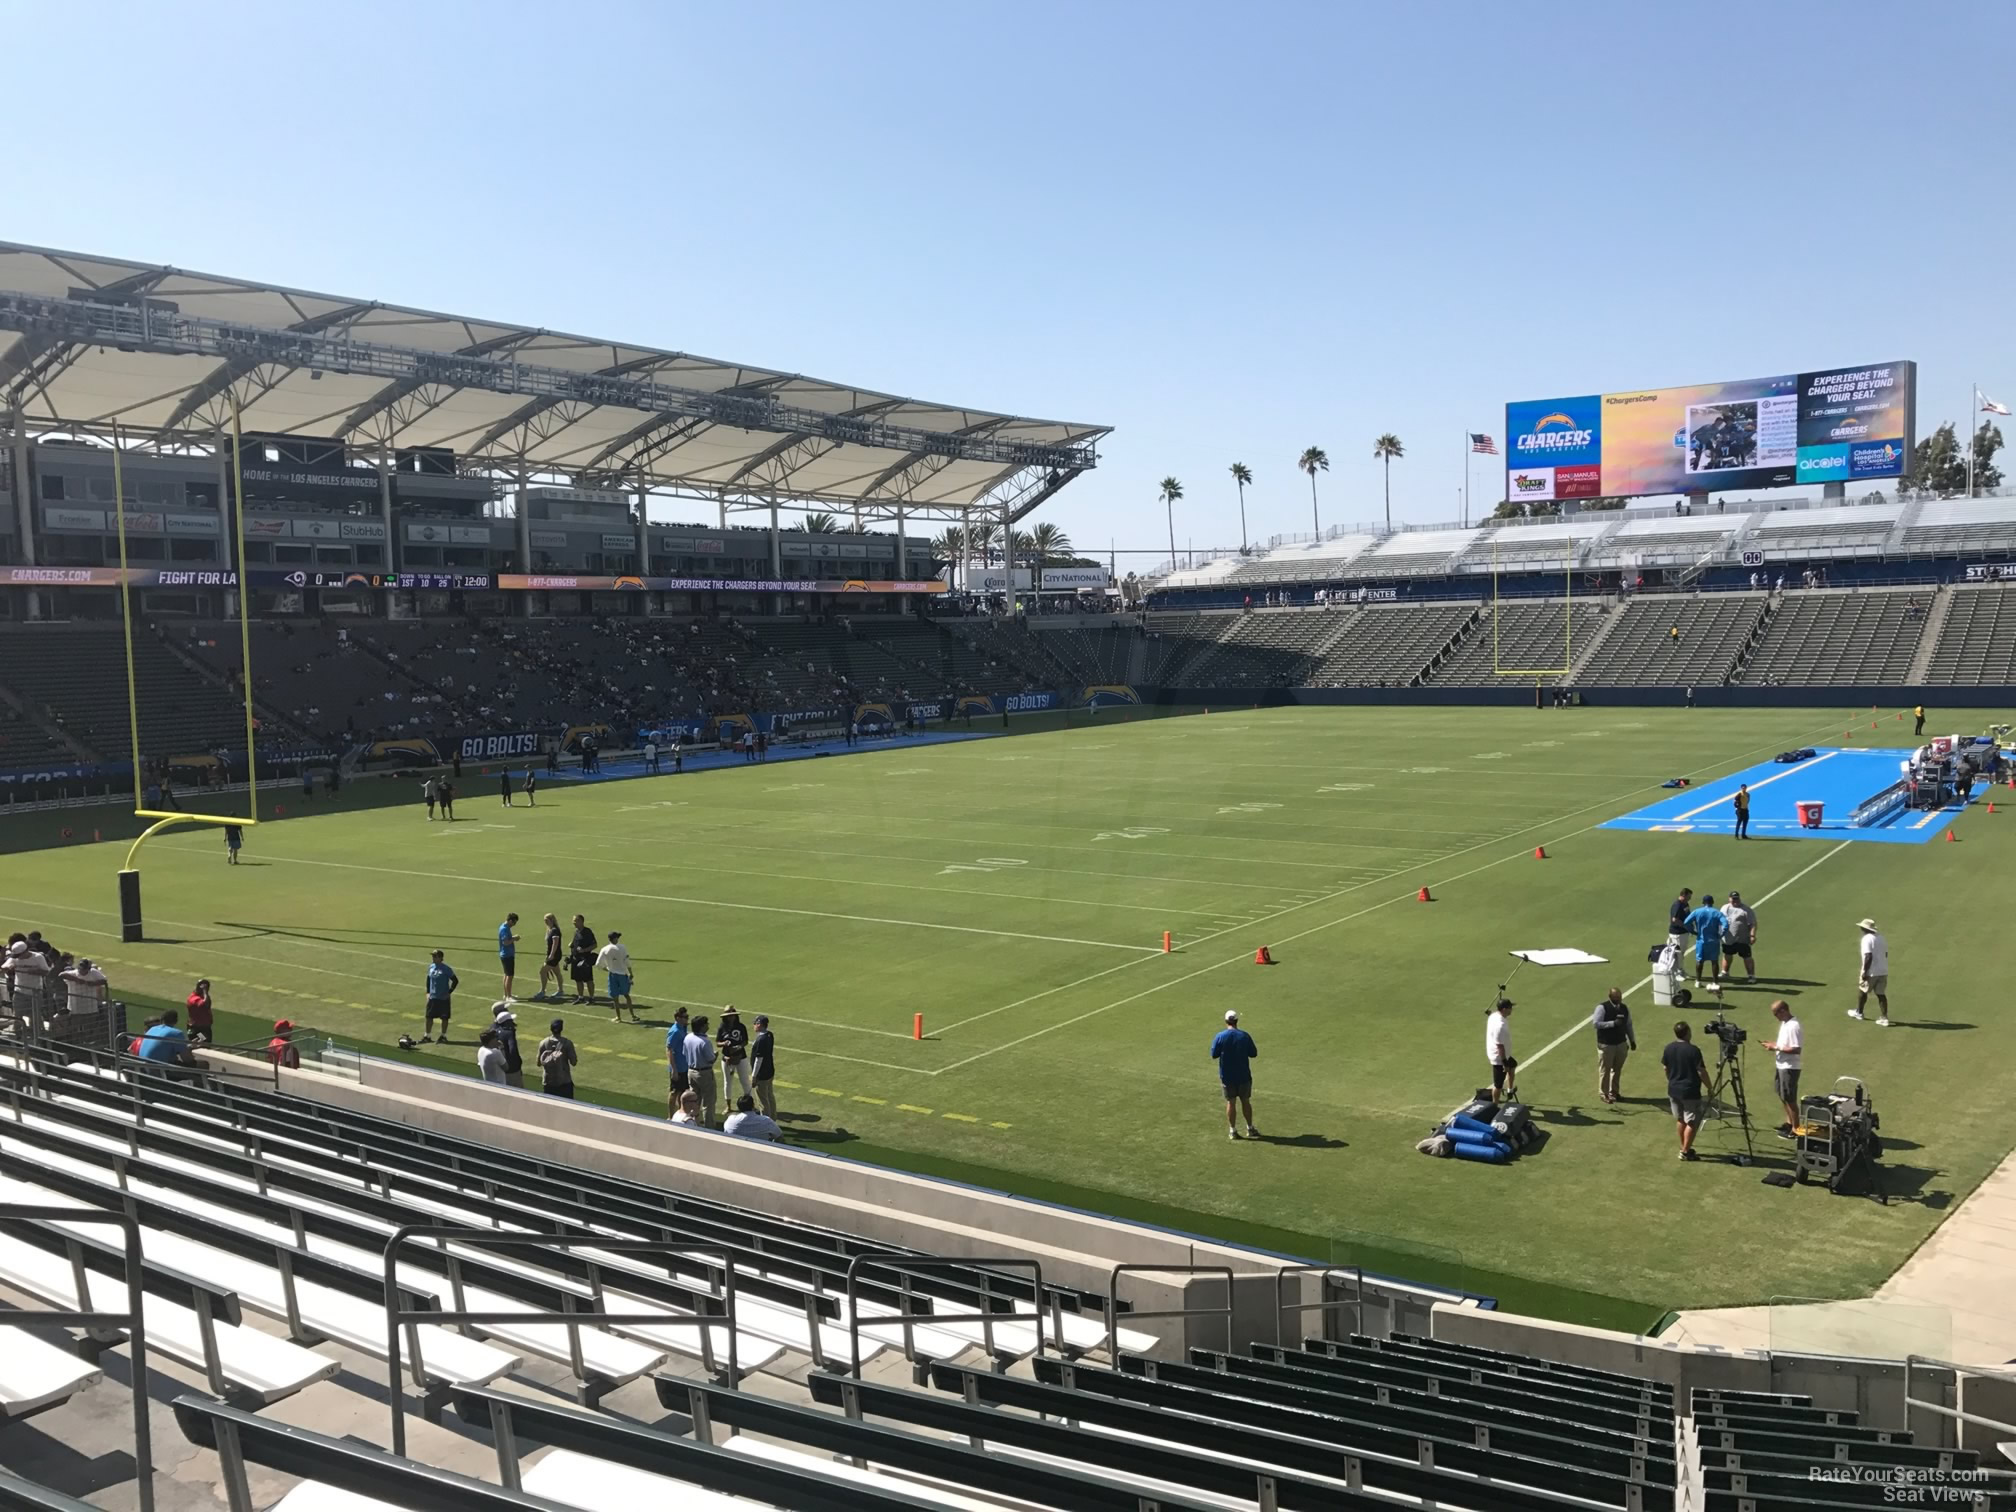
{"x": 131, "y": 924}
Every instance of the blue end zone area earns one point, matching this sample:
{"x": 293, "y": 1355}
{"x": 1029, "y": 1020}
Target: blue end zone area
{"x": 1839, "y": 778}
{"x": 696, "y": 761}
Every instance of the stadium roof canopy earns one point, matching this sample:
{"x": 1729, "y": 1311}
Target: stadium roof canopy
{"x": 92, "y": 343}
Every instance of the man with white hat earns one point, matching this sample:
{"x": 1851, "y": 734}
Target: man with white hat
{"x": 1875, "y": 974}
{"x": 1234, "y": 1050}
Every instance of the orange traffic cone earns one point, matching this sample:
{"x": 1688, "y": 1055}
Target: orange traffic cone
{"x": 1263, "y": 957}
{"x": 1539, "y": 853}
{"x": 1422, "y": 897}
{"x": 1951, "y": 837}
{"x": 1991, "y": 809}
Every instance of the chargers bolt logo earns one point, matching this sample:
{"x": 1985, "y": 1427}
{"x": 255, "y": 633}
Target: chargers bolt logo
{"x": 1543, "y": 438}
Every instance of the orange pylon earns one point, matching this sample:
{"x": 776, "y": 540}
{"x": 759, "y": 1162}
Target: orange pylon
{"x": 1539, "y": 853}
{"x": 1263, "y": 957}
{"x": 1422, "y": 896}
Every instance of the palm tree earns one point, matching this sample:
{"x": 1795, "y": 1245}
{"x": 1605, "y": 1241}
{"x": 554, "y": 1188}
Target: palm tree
{"x": 1046, "y": 541}
{"x": 950, "y": 546}
{"x": 821, "y": 524}
{"x": 983, "y": 541}
{"x": 1385, "y": 449}
{"x": 1171, "y": 492}
{"x": 1242, "y": 475}
{"x": 1312, "y": 461}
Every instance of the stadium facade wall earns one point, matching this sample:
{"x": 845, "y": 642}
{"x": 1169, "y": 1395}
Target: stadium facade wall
{"x": 1075, "y": 1248}
{"x": 1517, "y": 692}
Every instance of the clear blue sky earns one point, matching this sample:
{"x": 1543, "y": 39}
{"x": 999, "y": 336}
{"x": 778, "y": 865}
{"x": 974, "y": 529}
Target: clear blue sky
{"x": 1229, "y": 232}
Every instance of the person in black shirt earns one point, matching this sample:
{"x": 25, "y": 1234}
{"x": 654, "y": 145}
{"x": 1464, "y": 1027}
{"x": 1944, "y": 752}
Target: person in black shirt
{"x": 550, "y": 966}
{"x": 1686, "y": 1080}
{"x": 1615, "y": 1039}
{"x": 581, "y": 960}
{"x": 732, "y": 1040}
{"x": 1676, "y": 917}
{"x": 763, "y": 1064}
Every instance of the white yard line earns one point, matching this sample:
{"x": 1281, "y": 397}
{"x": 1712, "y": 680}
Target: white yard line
{"x": 1638, "y": 986}
{"x": 768, "y": 908}
{"x": 1791, "y": 771}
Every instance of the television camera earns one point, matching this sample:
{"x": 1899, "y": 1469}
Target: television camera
{"x": 1838, "y": 1137}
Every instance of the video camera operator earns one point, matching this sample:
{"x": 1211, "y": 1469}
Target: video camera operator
{"x": 1686, "y": 1083}
{"x": 1785, "y": 1050}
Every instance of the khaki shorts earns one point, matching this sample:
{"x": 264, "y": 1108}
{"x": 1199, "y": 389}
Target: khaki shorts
{"x": 1686, "y": 1110}
{"x": 1611, "y": 1057}
{"x": 1880, "y": 985}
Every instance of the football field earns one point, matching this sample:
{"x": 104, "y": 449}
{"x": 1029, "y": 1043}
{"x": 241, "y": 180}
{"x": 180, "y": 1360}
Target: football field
{"x": 1014, "y": 890}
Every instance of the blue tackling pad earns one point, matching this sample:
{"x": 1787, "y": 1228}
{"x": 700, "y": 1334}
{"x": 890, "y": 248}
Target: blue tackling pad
{"x": 1839, "y": 777}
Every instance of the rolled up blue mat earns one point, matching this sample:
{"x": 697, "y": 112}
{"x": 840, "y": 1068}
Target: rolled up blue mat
{"x": 1469, "y": 1136}
{"x": 1474, "y": 1125}
{"x": 1490, "y": 1154}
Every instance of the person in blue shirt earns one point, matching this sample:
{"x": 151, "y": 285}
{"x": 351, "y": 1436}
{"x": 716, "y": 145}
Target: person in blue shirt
{"x": 1234, "y": 1050}
{"x": 165, "y": 1043}
{"x": 675, "y": 1059}
{"x": 1708, "y": 924}
{"x": 441, "y": 985}
{"x": 507, "y": 953}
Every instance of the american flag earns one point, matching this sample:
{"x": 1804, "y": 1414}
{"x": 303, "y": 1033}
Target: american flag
{"x": 1483, "y": 443}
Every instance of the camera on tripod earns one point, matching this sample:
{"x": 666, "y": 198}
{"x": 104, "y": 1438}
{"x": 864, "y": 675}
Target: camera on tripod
{"x": 1731, "y": 1036}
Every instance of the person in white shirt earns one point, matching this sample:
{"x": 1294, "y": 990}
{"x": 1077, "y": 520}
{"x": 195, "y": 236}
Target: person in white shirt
{"x": 746, "y": 1123}
{"x": 651, "y": 756}
{"x": 1739, "y": 941}
{"x": 490, "y": 1056}
{"x": 1875, "y": 974}
{"x": 86, "y": 984}
{"x": 1498, "y": 1051}
{"x": 689, "y": 1109}
{"x": 1785, "y": 1051}
{"x": 614, "y": 958}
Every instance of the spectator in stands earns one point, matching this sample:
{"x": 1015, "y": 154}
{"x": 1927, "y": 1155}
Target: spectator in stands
{"x": 732, "y": 1040}
{"x": 557, "y": 1060}
{"x": 490, "y": 1057}
{"x": 614, "y": 959}
{"x": 1615, "y": 1040}
{"x": 165, "y": 1044}
{"x": 202, "y": 1029}
{"x": 1234, "y": 1050}
{"x": 27, "y": 976}
{"x": 746, "y": 1123}
{"x": 1686, "y": 1076}
{"x": 763, "y": 1064}
{"x": 1740, "y": 940}
{"x": 504, "y": 1024}
{"x": 686, "y": 1109}
{"x": 87, "y": 987}
{"x": 281, "y": 1049}
{"x": 700, "y": 1058}
{"x": 441, "y": 984}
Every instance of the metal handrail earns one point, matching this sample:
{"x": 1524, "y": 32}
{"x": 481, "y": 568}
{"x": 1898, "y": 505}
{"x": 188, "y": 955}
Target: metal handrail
{"x": 1323, "y": 1273}
{"x": 132, "y": 1320}
{"x": 398, "y": 1318}
{"x": 1937, "y": 1409}
{"x": 1145, "y": 1267}
{"x": 899, "y": 1261}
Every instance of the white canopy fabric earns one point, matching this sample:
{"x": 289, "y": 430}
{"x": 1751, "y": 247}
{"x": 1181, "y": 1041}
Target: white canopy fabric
{"x": 97, "y": 342}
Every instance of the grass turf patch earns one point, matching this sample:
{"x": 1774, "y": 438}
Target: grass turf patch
{"x": 1015, "y": 893}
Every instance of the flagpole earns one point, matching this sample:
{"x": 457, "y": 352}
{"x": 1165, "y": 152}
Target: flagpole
{"x": 1973, "y": 409}
{"x": 1466, "y": 480}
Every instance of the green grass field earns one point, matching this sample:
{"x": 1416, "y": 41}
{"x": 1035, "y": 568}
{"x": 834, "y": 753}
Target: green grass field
{"x": 1015, "y": 891}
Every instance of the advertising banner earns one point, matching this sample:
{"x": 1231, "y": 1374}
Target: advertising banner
{"x": 1831, "y": 426}
{"x": 319, "y": 530}
{"x": 361, "y": 530}
{"x": 1990, "y": 572}
{"x": 197, "y": 524}
{"x": 614, "y": 542}
{"x": 72, "y": 519}
{"x": 544, "y": 582}
{"x": 492, "y": 745}
{"x": 994, "y": 580}
{"x": 1067, "y": 578}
